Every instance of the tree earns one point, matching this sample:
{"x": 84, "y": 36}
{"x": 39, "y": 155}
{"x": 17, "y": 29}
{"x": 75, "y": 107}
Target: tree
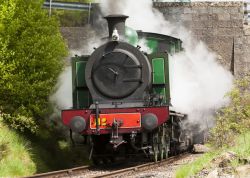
{"x": 31, "y": 57}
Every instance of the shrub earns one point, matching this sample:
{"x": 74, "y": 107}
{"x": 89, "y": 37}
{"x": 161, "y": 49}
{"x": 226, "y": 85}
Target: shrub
{"x": 233, "y": 119}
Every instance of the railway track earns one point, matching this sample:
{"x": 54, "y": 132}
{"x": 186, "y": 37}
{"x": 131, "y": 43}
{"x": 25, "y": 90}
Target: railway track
{"x": 143, "y": 167}
{"x": 62, "y": 173}
{"x": 100, "y": 172}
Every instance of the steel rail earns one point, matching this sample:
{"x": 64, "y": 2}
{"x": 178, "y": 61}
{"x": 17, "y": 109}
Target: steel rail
{"x": 142, "y": 167}
{"x": 66, "y": 172}
{"x": 80, "y": 170}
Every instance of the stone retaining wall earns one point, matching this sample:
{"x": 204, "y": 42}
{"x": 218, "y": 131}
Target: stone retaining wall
{"x": 75, "y": 36}
{"x": 218, "y": 24}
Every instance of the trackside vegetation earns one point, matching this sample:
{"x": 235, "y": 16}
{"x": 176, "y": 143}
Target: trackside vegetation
{"x": 69, "y": 18}
{"x": 196, "y": 166}
{"x": 24, "y": 155}
{"x": 233, "y": 120}
{"x": 231, "y": 132}
{"x": 241, "y": 148}
{"x": 15, "y": 159}
{"x": 32, "y": 53}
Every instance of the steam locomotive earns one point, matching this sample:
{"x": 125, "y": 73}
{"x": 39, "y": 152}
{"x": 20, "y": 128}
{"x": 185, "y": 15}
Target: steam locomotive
{"x": 121, "y": 96}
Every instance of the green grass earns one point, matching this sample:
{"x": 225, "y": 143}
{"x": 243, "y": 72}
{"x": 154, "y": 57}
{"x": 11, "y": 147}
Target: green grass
{"x": 197, "y": 165}
{"x": 52, "y": 152}
{"x": 243, "y": 145}
{"x": 23, "y": 154}
{"x": 15, "y": 159}
{"x": 242, "y": 149}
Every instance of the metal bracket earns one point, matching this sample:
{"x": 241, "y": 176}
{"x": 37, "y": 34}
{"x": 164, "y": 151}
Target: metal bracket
{"x": 97, "y": 117}
{"x": 116, "y": 140}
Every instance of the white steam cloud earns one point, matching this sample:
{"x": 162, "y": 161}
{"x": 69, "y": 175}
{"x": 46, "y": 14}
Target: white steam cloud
{"x": 142, "y": 15}
{"x": 198, "y": 84}
{"x": 198, "y": 81}
{"x": 62, "y": 98}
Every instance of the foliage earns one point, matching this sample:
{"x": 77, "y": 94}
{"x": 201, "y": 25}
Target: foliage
{"x": 241, "y": 148}
{"x": 71, "y": 18}
{"x": 27, "y": 154}
{"x": 15, "y": 158}
{"x": 31, "y": 58}
{"x": 231, "y": 129}
{"x": 233, "y": 119}
{"x": 20, "y": 122}
{"x": 47, "y": 144}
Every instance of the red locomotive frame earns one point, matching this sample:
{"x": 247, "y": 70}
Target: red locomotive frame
{"x": 161, "y": 112}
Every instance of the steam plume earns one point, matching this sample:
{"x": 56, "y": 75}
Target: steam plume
{"x": 62, "y": 98}
{"x": 198, "y": 81}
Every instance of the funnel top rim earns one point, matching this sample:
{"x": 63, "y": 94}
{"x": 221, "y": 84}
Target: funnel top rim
{"x": 116, "y": 16}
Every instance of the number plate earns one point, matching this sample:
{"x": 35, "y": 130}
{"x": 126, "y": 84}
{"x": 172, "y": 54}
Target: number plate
{"x": 127, "y": 120}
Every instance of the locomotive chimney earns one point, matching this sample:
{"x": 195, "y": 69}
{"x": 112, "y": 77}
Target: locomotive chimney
{"x": 116, "y": 22}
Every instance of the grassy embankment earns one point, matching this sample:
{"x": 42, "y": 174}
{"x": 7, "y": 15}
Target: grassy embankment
{"x": 22, "y": 155}
{"x": 242, "y": 149}
{"x": 15, "y": 157}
